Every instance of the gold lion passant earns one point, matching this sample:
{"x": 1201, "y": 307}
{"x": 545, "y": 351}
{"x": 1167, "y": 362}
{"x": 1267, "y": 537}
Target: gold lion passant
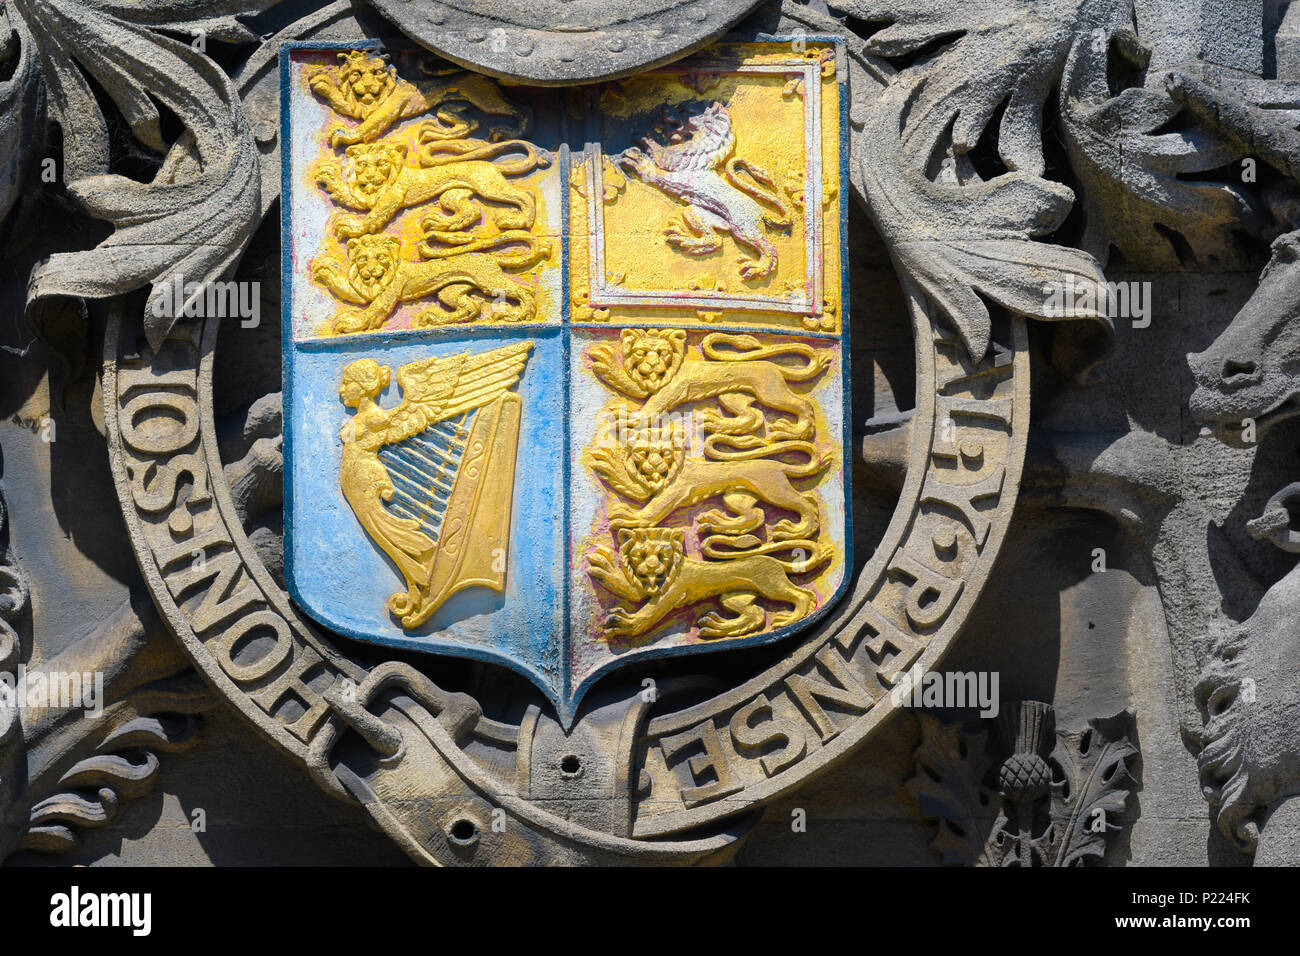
{"x": 650, "y": 466}
{"x": 366, "y": 87}
{"x": 652, "y": 364}
{"x": 469, "y": 280}
{"x": 431, "y": 480}
{"x": 653, "y": 567}
{"x": 379, "y": 182}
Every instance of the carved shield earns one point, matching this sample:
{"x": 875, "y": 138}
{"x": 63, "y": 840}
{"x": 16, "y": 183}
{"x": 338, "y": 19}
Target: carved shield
{"x": 565, "y": 370}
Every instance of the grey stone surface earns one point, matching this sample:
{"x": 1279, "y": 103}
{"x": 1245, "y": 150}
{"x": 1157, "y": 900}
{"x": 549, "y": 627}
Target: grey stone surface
{"x": 554, "y": 42}
{"x": 1287, "y": 44}
{"x": 1228, "y": 33}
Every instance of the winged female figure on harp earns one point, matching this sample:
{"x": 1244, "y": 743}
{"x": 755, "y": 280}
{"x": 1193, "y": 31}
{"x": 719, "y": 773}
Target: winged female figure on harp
{"x": 430, "y": 480}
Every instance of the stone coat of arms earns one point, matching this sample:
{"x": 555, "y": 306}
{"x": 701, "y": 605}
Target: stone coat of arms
{"x": 611, "y": 350}
{"x": 568, "y": 432}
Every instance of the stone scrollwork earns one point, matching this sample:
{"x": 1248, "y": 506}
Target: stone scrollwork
{"x": 962, "y": 238}
{"x": 63, "y": 771}
{"x": 194, "y": 218}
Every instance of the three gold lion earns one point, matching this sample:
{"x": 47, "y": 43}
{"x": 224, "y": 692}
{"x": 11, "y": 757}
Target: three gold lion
{"x": 476, "y": 224}
{"x": 748, "y": 461}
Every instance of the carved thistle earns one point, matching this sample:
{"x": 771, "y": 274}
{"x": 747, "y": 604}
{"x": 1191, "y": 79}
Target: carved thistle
{"x": 1054, "y": 799}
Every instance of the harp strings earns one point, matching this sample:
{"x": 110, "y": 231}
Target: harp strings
{"x": 423, "y": 469}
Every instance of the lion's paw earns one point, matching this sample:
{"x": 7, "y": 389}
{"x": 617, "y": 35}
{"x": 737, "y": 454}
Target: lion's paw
{"x": 348, "y": 227}
{"x": 346, "y": 322}
{"x": 751, "y": 269}
{"x": 619, "y": 623}
{"x": 602, "y": 569}
{"x": 714, "y": 625}
{"x": 342, "y": 136}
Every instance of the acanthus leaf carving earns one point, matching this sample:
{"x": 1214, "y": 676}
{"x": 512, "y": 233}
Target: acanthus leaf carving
{"x": 960, "y": 237}
{"x": 191, "y": 222}
{"x": 120, "y": 762}
{"x": 1144, "y": 173}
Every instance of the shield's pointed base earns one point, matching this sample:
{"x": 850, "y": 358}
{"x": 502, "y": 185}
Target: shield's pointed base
{"x": 583, "y": 770}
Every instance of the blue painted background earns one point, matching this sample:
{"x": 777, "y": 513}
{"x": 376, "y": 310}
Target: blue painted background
{"x": 343, "y": 579}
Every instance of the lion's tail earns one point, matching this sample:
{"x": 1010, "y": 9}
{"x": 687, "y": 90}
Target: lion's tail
{"x": 746, "y": 348}
{"x": 608, "y": 367}
{"x": 329, "y": 176}
{"x": 761, "y": 187}
{"x": 531, "y": 249}
{"x": 437, "y": 151}
{"x": 804, "y": 554}
{"x": 811, "y": 466}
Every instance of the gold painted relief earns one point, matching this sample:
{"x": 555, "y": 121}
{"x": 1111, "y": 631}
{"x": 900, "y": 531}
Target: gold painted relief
{"x": 723, "y": 193}
{"x": 428, "y": 214}
{"x": 707, "y": 194}
{"x": 431, "y": 480}
{"x": 758, "y": 553}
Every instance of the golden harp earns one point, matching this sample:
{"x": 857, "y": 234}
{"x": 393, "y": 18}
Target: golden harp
{"x": 432, "y": 480}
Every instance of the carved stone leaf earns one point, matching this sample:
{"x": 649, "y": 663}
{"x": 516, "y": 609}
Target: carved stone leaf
{"x": 1254, "y": 117}
{"x": 951, "y": 765}
{"x": 22, "y": 108}
{"x": 1139, "y": 181}
{"x": 1097, "y": 779}
{"x": 957, "y": 235}
{"x": 80, "y": 778}
{"x": 1001, "y": 52}
{"x": 194, "y": 218}
{"x": 956, "y": 274}
{"x": 215, "y": 19}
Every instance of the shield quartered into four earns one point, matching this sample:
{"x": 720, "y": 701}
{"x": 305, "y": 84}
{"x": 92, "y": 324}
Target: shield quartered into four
{"x": 565, "y": 370}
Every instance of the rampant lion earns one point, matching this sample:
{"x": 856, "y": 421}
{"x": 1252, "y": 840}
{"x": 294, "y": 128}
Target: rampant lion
{"x": 652, "y": 566}
{"x": 469, "y": 280}
{"x": 651, "y": 467}
{"x": 366, "y": 87}
{"x": 654, "y": 366}
{"x": 697, "y": 167}
{"x": 380, "y": 182}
